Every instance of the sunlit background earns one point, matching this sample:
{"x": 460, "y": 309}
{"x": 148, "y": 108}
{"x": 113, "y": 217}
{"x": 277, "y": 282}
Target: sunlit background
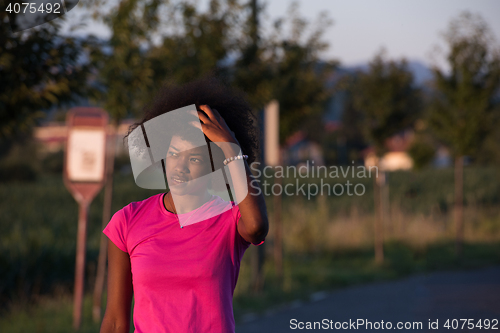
{"x": 409, "y": 87}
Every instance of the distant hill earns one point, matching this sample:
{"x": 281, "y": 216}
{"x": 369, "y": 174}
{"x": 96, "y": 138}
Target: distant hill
{"x": 335, "y": 106}
{"x": 420, "y": 70}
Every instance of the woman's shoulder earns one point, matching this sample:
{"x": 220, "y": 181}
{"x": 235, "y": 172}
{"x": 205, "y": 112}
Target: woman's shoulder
{"x": 137, "y": 206}
{"x": 218, "y": 204}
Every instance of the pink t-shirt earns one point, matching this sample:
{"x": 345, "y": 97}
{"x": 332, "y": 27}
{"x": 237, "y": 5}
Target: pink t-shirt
{"x": 183, "y": 278}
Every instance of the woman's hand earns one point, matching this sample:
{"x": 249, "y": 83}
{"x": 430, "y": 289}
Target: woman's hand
{"x": 214, "y": 126}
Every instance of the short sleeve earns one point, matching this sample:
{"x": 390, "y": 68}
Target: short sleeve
{"x": 237, "y": 217}
{"x": 116, "y": 230}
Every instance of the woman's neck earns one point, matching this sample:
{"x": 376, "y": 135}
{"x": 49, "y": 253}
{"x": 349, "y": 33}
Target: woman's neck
{"x": 181, "y": 204}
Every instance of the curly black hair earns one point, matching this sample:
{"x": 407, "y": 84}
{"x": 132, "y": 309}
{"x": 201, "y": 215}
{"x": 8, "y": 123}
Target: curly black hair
{"x": 210, "y": 90}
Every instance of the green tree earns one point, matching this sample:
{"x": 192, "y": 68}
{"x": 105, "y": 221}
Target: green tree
{"x": 421, "y": 151}
{"x": 351, "y": 141}
{"x": 124, "y": 72}
{"x": 286, "y": 65}
{"x": 388, "y": 102}
{"x": 39, "y": 69}
{"x": 463, "y": 110}
{"x": 179, "y": 43}
{"x": 200, "y": 42}
{"x": 154, "y": 42}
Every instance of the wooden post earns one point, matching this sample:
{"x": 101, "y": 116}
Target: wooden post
{"x": 106, "y": 215}
{"x": 278, "y": 230}
{"x": 80, "y": 262}
{"x": 459, "y": 221}
{"x": 379, "y": 217}
{"x": 272, "y": 157}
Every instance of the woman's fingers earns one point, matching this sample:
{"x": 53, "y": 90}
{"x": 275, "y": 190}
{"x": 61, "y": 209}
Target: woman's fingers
{"x": 201, "y": 116}
{"x": 216, "y": 113}
{"x": 209, "y": 113}
{"x": 214, "y": 127}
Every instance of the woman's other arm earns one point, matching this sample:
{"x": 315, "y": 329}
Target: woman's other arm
{"x": 117, "y": 316}
{"x": 253, "y": 225}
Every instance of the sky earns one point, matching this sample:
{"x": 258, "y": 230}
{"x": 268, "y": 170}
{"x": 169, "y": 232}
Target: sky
{"x": 405, "y": 28}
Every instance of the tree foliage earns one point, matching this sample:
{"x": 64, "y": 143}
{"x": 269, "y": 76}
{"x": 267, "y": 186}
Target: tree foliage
{"x": 200, "y": 44}
{"x": 39, "y": 69}
{"x": 286, "y": 65}
{"x": 421, "y": 151}
{"x": 386, "y": 98}
{"x": 154, "y": 42}
{"x": 157, "y": 42}
{"x": 464, "y": 108}
{"x": 124, "y": 74}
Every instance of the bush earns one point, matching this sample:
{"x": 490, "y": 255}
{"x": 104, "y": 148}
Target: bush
{"x": 422, "y": 153}
{"x": 53, "y": 162}
{"x": 19, "y": 171}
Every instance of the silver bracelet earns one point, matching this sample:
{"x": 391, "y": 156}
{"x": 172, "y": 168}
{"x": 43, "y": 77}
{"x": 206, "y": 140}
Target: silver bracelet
{"x": 238, "y": 157}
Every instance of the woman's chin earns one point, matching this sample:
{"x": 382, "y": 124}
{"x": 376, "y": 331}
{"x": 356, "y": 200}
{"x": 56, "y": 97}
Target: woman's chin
{"x": 178, "y": 190}
{"x": 188, "y": 190}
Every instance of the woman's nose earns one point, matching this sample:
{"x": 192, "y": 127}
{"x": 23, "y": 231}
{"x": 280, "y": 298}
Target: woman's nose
{"x": 182, "y": 165}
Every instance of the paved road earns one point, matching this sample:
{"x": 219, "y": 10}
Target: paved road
{"x": 437, "y": 296}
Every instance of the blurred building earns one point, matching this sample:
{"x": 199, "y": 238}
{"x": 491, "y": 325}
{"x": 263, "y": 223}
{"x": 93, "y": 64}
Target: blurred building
{"x": 443, "y": 158}
{"x": 396, "y": 157}
{"x": 51, "y": 136}
{"x": 298, "y": 149}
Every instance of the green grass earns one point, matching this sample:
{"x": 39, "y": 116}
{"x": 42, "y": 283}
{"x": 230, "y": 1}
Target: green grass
{"x": 49, "y": 315}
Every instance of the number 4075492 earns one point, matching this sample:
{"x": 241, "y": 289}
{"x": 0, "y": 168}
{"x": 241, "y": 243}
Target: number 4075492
{"x": 32, "y": 8}
{"x": 486, "y": 324}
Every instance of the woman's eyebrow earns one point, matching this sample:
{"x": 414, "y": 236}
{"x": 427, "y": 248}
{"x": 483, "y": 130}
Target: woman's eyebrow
{"x": 191, "y": 154}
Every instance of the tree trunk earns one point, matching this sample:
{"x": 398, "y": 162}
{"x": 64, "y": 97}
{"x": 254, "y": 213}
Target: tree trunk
{"x": 278, "y": 228}
{"x": 258, "y": 256}
{"x": 379, "y": 216}
{"x": 459, "y": 223}
{"x": 106, "y": 215}
{"x": 257, "y": 259}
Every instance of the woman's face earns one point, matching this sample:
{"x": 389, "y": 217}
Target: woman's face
{"x": 185, "y": 165}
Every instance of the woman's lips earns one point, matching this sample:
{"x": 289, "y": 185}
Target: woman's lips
{"x": 178, "y": 180}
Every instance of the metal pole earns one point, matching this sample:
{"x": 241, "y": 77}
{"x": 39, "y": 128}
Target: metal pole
{"x": 80, "y": 263}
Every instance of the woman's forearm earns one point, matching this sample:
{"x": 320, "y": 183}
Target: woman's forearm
{"x": 248, "y": 196}
{"x": 114, "y": 326}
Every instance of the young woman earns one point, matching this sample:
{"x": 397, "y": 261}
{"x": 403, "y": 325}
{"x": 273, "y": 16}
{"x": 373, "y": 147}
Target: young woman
{"x": 181, "y": 261}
